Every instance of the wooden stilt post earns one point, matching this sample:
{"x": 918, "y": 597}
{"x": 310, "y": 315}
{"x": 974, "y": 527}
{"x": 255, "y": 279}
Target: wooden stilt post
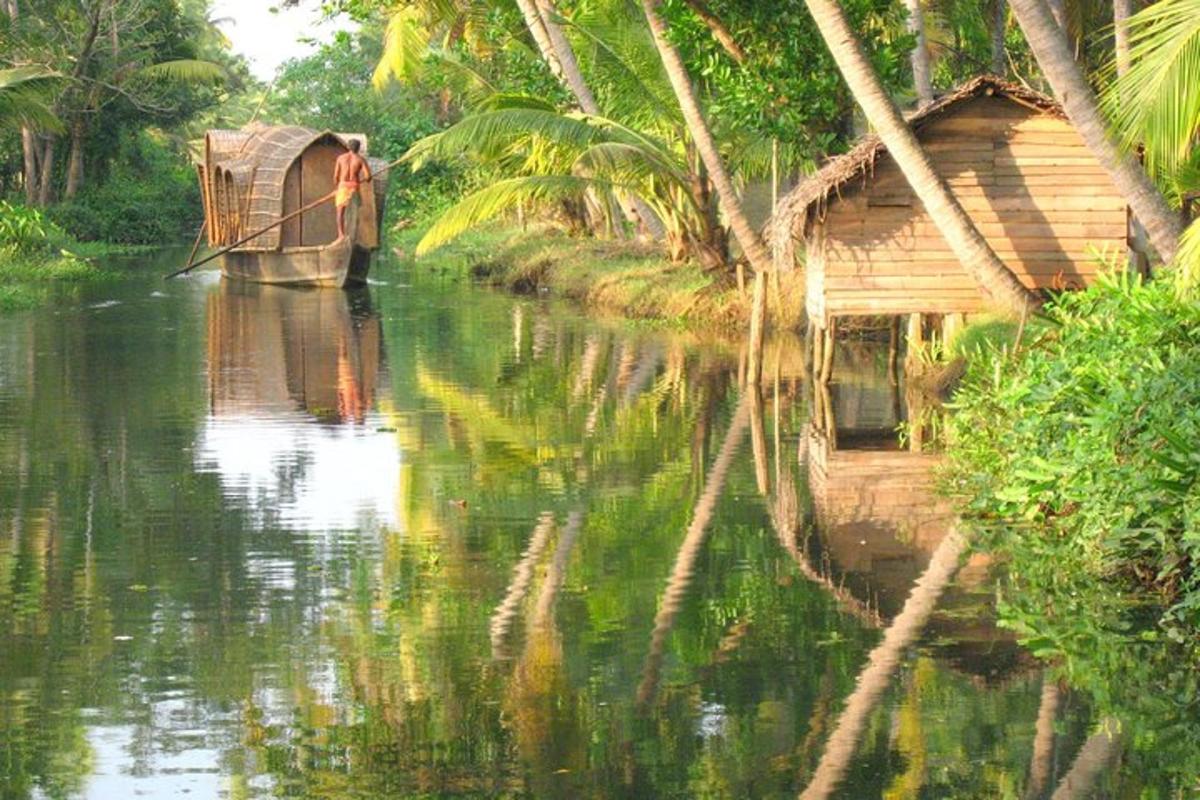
{"x": 893, "y": 350}
{"x": 758, "y": 313}
{"x": 810, "y": 350}
{"x": 830, "y": 417}
{"x": 914, "y": 338}
{"x": 830, "y": 336}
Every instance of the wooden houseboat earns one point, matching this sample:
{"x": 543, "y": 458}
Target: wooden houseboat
{"x": 254, "y": 177}
{"x": 1018, "y": 167}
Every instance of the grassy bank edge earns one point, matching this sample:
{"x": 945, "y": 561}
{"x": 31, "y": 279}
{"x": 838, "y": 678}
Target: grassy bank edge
{"x": 29, "y": 281}
{"x": 625, "y": 278}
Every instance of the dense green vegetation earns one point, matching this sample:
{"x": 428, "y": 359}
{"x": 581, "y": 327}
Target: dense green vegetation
{"x": 1074, "y": 453}
{"x": 37, "y": 258}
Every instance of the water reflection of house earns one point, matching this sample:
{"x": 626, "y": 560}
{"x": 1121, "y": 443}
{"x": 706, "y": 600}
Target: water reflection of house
{"x": 879, "y": 518}
{"x": 277, "y": 347}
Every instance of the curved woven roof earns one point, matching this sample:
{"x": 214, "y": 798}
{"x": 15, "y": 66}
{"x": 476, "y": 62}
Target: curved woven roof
{"x": 859, "y": 159}
{"x": 260, "y": 156}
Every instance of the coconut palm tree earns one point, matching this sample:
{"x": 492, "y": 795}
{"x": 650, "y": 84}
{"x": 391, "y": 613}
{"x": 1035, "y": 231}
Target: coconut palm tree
{"x": 1155, "y": 103}
{"x": 1050, "y": 47}
{"x": 706, "y": 147}
{"x": 960, "y": 233}
{"x": 752, "y": 245}
{"x": 922, "y": 80}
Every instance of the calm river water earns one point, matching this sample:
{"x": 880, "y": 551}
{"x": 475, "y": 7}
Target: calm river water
{"x": 425, "y": 540}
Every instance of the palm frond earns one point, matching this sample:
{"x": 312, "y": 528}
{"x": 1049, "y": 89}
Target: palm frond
{"x": 493, "y": 200}
{"x": 1187, "y": 261}
{"x": 184, "y": 70}
{"x": 628, "y": 163}
{"x": 405, "y": 43}
{"x": 491, "y": 131}
{"x": 23, "y": 102}
{"x": 478, "y": 87}
{"x": 1157, "y": 102}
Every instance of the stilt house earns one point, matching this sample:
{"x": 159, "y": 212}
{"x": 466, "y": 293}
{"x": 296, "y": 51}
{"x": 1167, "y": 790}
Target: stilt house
{"x": 1012, "y": 159}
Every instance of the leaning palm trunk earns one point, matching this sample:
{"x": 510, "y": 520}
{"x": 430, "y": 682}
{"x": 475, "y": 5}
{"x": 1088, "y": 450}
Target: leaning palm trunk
{"x": 752, "y": 245}
{"x": 706, "y": 146}
{"x": 1122, "y": 11}
{"x": 920, "y": 53}
{"x": 960, "y": 233}
{"x": 556, "y": 50}
{"x": 1053, "y": 53}
{"x": 999, "y": 56}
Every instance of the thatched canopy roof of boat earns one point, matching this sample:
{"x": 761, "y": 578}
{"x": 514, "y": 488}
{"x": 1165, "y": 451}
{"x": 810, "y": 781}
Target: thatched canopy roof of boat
{"x": 254, "y": 176}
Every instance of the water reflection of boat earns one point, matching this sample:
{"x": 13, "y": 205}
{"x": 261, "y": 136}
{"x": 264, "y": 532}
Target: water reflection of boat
{"x": 273, "y": 347}
{"x": 257, "y": 176}
{"x": 293, "y": 376}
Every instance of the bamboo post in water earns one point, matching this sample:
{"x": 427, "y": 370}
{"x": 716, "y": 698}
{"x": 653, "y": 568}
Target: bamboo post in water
{"x": 758, "y": 312}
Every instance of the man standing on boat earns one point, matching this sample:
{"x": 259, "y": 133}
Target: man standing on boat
{"x": 350, "y": 172}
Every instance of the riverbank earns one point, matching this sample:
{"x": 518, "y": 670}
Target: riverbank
{"x": 38, "y": 260}
{"x": 30, "y": 281}
{"x": 624, "y": 278}
{"x": 1073, "y": 456}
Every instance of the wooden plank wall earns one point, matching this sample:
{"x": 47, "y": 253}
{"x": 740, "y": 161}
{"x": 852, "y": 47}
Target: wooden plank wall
{"x": 1028, "y": 181}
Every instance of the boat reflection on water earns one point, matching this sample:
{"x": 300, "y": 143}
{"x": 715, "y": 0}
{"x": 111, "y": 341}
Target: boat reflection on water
{"x": 292, "y": 427}
{"x": 277, "y": 348}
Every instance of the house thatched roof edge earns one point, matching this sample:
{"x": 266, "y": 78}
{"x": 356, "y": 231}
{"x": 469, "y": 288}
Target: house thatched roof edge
{"x": 841, "y": 169}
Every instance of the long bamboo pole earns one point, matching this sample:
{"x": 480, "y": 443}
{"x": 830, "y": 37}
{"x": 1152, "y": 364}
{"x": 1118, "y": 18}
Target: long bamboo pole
{"x": 196, "y": 244}
{"x": 254, "y": 235}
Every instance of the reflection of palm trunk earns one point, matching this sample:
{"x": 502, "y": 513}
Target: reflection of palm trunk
{"x": 681, "y": 574}
{"x": 758, "y": 442}
{"x": 506, "y": 612}
{"x": 647, "y": 368}
{"x": 587, "y": 367}
{"x": 1093, "y": 759}
{"x": 557, "y": 570}
{"x": 876, "y": 676}
{"x": 1043, "y": 740}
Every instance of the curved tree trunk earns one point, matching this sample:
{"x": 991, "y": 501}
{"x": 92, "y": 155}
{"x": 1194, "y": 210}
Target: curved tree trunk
{"x": 718, "y": 29}
{"x": 960, "y": 233}
{"x": 999, "y": 24}
{"x": 557, "y": 52}
{"x": 747, "y": 237}
{"x": 1058, "y": 64}
{"x": 922, "y": 81}
{"x": 75, "y": 163}
{"x": 1122, "y": 11}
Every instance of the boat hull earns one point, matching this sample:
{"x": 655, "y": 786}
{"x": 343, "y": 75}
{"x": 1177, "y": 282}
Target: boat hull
{"x": 337, "y": 264}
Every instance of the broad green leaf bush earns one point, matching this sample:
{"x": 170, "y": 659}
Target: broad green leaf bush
{"x": 1077, "y": 458}
{"x": 26, "y": 231}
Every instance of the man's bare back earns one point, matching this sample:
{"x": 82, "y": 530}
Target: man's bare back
{"x": 351, "y": 168}
{"x": 349, "y": 173}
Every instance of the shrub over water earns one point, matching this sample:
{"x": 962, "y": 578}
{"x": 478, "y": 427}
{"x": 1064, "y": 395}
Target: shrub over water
{"x": 1077, "y": 455}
